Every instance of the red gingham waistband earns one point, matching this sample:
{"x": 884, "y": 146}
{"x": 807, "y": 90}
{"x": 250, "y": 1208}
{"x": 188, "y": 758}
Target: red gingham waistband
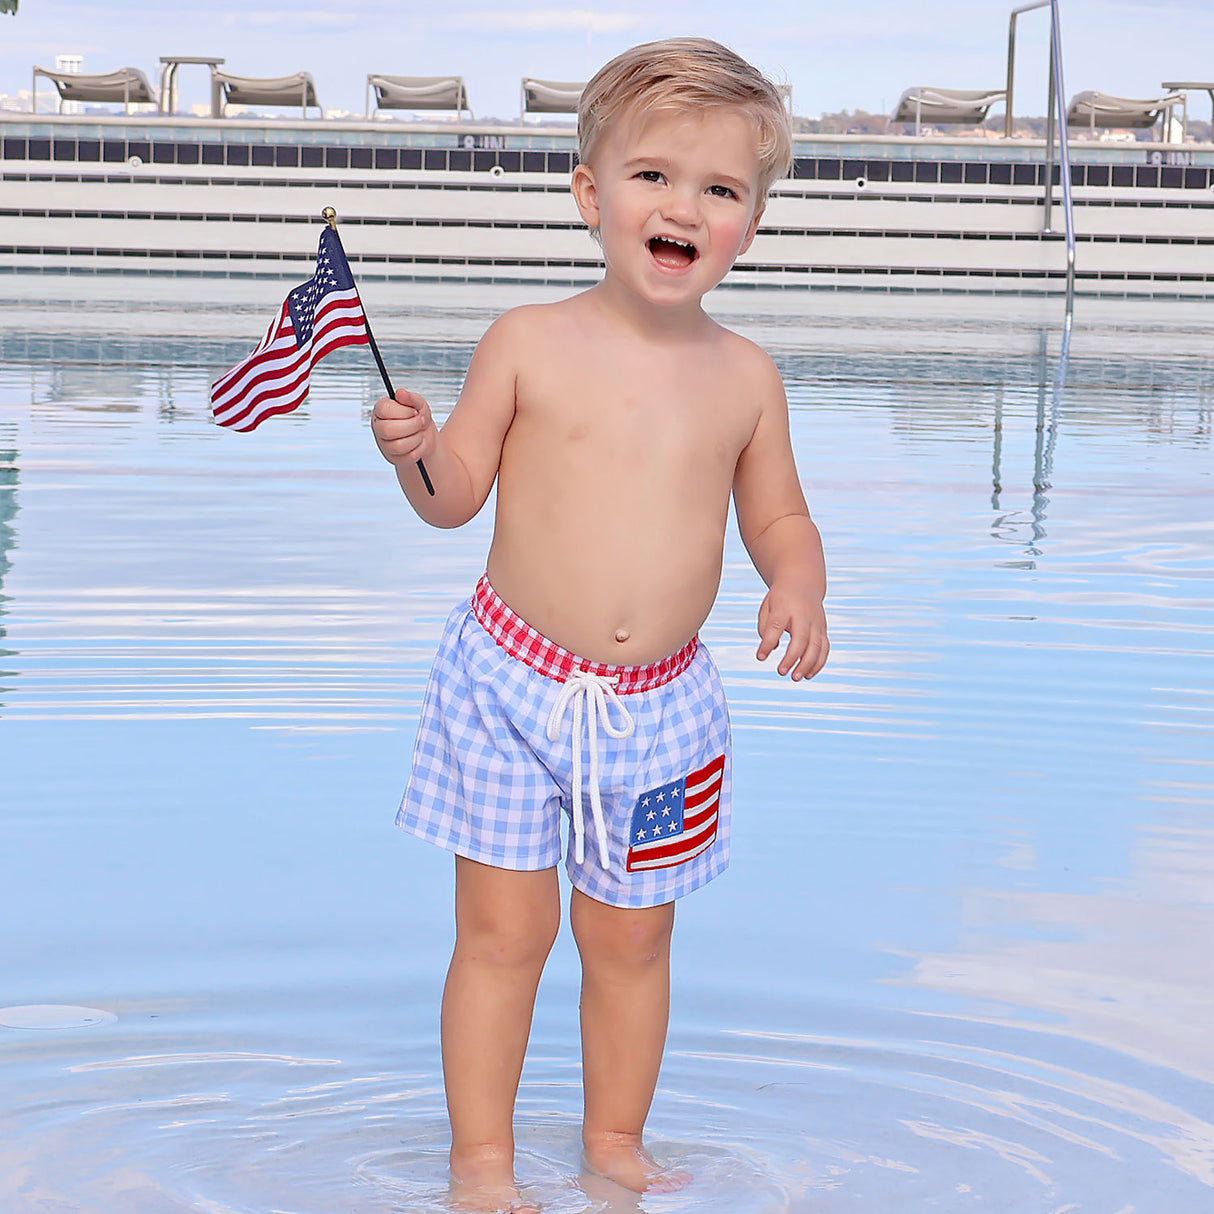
{"x": 520, "y": 640}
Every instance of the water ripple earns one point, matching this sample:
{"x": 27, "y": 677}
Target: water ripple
{"x": 959, "y": 961}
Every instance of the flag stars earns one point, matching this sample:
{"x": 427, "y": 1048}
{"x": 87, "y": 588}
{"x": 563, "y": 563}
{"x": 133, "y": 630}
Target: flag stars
{"x": 665, "y": 831}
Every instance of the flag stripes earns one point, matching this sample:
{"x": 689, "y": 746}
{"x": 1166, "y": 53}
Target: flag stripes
{"x": 274, "y": 378}
{"x": 701, "y": 795}
{"x": 318, "y": 316}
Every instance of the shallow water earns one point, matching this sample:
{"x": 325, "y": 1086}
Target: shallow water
{"x": 961, "y": 960}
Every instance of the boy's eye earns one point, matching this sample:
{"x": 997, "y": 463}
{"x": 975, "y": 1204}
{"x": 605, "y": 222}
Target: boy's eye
{"x": 650, "y": 175}
{"x": 721, "y": 191}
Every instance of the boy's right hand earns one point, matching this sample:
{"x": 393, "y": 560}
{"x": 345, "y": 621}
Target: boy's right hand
{"x": 404, "y": 429}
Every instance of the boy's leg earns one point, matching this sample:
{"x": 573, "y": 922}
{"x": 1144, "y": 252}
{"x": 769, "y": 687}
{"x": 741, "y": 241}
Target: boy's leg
{"x": 625, "y": 1008}
{"x": 506, "y": 922}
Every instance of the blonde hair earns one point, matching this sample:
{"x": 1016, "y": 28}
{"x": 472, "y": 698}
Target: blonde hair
{"x": 686, "y": 74}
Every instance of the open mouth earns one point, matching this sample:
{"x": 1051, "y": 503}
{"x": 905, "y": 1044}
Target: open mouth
{"x": 671, "y": 253}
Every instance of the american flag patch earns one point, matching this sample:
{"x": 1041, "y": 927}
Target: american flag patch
{"x": 676, "y": 822}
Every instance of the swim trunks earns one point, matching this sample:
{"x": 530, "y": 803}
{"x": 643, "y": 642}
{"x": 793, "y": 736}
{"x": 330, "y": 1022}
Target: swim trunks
{"x": 517, "y": 732}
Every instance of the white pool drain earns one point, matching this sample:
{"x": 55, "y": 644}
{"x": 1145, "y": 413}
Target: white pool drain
{"x": 53, "y": 1016}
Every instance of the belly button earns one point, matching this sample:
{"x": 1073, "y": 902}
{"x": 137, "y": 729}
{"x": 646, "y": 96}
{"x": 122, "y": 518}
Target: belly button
{"x": 622, "y": 634}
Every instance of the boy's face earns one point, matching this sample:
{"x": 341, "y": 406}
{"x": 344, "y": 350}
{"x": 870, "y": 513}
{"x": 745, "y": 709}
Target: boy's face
{"x": 675, "y": 198}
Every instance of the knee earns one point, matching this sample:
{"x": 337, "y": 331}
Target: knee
{"x": 508, "y": 936}
{"x": 626, "y": 940}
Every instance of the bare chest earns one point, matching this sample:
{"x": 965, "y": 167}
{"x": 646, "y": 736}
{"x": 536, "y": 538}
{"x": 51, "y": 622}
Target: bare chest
{"x": 676, "y": 418}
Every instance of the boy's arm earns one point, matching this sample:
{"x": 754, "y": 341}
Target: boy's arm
{"x": 781, "y": 538}
{"x": 463, "y": 458}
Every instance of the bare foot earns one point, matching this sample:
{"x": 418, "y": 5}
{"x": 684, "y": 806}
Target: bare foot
{"x": 483, "y": 1181}
{"x": 622, "y": 1158}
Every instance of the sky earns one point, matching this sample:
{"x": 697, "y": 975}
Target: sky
{"x": 858, "y": 55}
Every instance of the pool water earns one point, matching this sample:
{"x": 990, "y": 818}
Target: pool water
{"x": 961, "y": 960}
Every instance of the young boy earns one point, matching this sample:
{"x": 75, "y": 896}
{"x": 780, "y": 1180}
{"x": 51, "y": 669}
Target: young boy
{"x": 616, "y": 424}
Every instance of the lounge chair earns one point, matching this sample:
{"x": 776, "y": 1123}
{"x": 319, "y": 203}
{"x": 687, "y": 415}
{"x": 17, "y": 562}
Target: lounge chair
{"x": 418, "y": 93}
{"x": 965, "y": 106}
{"x": 1100, "y": 110}
{"x": 127, "y": 85}
{"x": 551, "y": 96}
{"x": 227, "y": 89}
{"x": 1179, "y": 86}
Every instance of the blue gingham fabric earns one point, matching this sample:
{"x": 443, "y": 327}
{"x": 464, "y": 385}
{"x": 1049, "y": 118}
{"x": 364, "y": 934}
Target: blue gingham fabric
{"x": 488, "y": 784}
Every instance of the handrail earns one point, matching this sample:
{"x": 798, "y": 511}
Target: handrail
{"x": 1064, "y": 147}
{"x": 1055, "y": 118}
{"x": 1011, "y": 60}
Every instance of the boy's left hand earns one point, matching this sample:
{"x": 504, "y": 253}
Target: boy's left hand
{"x": 799, "y": 613}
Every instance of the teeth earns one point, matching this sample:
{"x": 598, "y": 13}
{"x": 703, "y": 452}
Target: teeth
{"x": 683, "y": 244}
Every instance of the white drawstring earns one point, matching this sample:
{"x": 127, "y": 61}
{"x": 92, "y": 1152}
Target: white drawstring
{"x": 589, "y": 694}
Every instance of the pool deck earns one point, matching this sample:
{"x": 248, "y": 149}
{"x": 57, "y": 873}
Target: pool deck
{"x": 468, "y": 202}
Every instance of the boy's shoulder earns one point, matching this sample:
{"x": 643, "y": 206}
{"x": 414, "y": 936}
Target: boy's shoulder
{"x": 745, "y": 357}
{"x": 531, "y": 318}
{"x": 528, "y": 325}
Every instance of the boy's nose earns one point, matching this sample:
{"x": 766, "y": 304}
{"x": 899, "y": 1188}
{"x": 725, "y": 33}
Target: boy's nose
{"x": 681, "y": 208}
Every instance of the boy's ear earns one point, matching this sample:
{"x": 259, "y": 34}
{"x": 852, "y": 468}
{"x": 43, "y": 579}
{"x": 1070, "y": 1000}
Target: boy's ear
{"x": 586, "y": 195}
{"x": 751, "y": 229}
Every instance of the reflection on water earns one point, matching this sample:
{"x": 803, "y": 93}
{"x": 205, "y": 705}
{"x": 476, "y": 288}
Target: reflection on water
{"x": 1047, "y": 435}
{"x": 8, "y": 514}
{"x": 1123, "y": 967}
{"x": 960, "y": 961}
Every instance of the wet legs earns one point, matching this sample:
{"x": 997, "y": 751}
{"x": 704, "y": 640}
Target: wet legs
{"x": 625, "y": 1009}
{"x": 506, "y": 922}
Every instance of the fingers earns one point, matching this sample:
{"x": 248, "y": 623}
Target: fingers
{"x": 795, "y": 652}
{"x": 404, "y": 406}
{"x": 804, "y": 656}
{"x": 772, "y": 626}
{"x": 771, "y": 629}
{"x": 403, "y": 427}
{"x": 807, "y": 648}
{"x": 813, "y": 659}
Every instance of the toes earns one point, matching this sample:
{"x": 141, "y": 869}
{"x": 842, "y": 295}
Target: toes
{"x": 668, "y": 1182}
{"x": 634, "y": 1168}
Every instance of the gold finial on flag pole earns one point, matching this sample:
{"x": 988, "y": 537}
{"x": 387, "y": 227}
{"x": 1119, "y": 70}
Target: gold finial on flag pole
{"x": 329, "y": 215}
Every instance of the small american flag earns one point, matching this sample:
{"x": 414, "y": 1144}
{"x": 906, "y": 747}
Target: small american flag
{"x": 318, "y": 316}
{"x": 676, "y": 821}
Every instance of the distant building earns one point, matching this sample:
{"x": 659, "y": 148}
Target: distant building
{"x": 73, "y": 64}
{"x": 18, "y": 104}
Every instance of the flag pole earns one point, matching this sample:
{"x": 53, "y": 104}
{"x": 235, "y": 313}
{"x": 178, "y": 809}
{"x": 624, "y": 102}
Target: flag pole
{"x": 329, "y": 215}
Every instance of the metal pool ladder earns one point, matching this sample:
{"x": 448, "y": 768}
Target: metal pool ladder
{"x": 1055, "y": 119}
